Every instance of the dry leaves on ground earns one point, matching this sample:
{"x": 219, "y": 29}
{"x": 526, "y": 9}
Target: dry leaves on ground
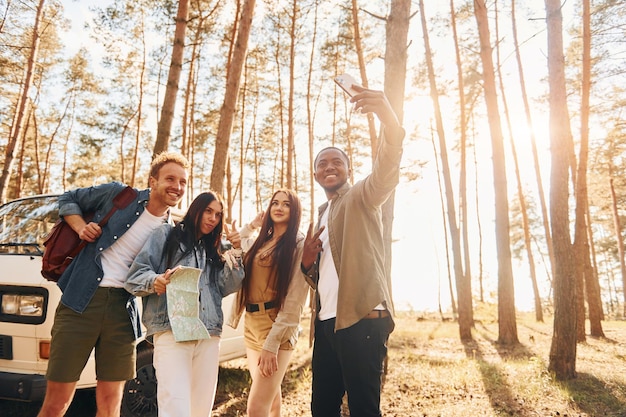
{"x": 432, "y": 373}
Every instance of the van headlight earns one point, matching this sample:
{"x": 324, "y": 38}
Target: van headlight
{"x": 23, "y": 304}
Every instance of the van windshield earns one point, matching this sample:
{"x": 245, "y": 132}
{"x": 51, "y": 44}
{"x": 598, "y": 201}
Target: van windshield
{"x": 25, "y": 222}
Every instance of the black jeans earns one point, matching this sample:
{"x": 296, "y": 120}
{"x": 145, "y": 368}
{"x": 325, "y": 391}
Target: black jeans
{"x": 350, "y": 360}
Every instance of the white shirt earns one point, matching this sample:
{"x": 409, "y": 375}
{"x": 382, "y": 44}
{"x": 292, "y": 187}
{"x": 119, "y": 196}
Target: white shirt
{"x": 118, "y": 257}
{"x": 328, "y": 283}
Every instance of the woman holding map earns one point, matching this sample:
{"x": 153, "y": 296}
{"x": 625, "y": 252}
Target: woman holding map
{"x": 272, "y": 294}
{"x": 186, "y": 354}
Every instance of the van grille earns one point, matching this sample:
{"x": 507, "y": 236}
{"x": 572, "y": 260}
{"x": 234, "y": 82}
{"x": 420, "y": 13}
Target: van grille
{"x": 6, "y": 347}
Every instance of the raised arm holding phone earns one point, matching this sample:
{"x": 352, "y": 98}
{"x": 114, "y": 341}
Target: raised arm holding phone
{"x": 343, "y": 259}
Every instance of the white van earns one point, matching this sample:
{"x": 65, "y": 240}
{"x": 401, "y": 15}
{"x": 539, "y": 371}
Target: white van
{"x": 28, "y": 303}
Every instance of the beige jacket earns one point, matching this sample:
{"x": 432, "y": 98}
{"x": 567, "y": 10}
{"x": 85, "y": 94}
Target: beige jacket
{"x": 355, "y": 231}
{"x": 286, "y": 327}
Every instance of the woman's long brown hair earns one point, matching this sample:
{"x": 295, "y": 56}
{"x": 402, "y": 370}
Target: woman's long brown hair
{"x": 283, "y": 254}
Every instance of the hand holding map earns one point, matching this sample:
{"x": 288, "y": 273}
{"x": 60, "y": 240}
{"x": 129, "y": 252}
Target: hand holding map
{"x": 183, "y": 305}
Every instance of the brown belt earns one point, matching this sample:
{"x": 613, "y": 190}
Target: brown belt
{"x": 377, "y": 314}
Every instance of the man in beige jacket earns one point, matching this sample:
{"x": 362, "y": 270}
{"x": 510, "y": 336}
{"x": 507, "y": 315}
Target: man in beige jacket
{"x": 344, "y": 262}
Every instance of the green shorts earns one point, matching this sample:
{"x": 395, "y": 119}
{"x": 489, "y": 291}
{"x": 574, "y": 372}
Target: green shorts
{"x": 104, "y": 325}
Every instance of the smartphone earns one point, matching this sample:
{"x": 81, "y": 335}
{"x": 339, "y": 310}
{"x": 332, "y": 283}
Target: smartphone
{"x": 225, "y": 243}
{"x": 345, "y": 81}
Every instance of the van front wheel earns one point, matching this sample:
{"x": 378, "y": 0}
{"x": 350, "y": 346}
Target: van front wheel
{"x": 140, "y": 398}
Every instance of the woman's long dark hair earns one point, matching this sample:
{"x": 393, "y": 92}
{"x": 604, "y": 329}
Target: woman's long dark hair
{"x": 283, "y": 254}
{"x": 184, "y": 236}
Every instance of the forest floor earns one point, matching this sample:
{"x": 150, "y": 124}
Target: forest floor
{"x": 432, "y": 373}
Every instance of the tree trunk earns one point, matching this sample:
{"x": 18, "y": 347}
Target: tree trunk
{"x": 478, "y": 221}
{"x": 19, "y": 119}
{"x": 171, "y": 90}
{"x": 188, "y": 133}
{"x": 227, "y": 112}
{"x": 563, "y": 348}
{"x": 358, "y": 47}
{"x": 518, "y": 181}
{"x": 142, "y": 74}
{"x": 290, "y": 111}
{"x": 463, "y": 220}
{"x": 187, "y": 122}
{"x": 125, "y": 128}
{"x": 67, "y": 113}
{"x": 20, "y": 165}
{"x": 280, "y": 156}
{"x": 593, "y": 270}
{"x": 581, "y": 246}
{"x": 66, "y": 142}
{"x": 310, "y": 116}
{"x": 620, "y": 241}
{"x": 463, "y": 285}
{"x": 445, "y": 234}
{"x": 397, "y": 28}
{"x": 533, "y": 143}
{"x": 243, "y": 146}
{"x": 506, "y": 293}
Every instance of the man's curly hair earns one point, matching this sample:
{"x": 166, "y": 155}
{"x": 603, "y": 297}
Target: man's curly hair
{"x": 165, "y": 158}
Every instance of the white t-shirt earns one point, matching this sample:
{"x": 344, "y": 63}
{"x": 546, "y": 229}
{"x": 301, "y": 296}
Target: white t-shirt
{"x": 328, "y": 283}
{"x": 117, "y": 258}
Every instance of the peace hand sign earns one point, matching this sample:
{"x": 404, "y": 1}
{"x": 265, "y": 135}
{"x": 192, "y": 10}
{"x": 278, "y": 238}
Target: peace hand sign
{"x": 312, "y": 246}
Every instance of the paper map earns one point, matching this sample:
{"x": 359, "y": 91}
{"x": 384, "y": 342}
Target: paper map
{"x": 183, "y": 305}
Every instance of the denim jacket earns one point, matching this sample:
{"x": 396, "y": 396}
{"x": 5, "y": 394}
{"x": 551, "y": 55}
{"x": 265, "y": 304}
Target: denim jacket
{"x": 150, "y": 262}
{"x": 83, "y": 276}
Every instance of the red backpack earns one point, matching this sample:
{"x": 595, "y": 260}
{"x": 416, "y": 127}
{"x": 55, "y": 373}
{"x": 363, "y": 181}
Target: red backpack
{"x": 62, "y": 244}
